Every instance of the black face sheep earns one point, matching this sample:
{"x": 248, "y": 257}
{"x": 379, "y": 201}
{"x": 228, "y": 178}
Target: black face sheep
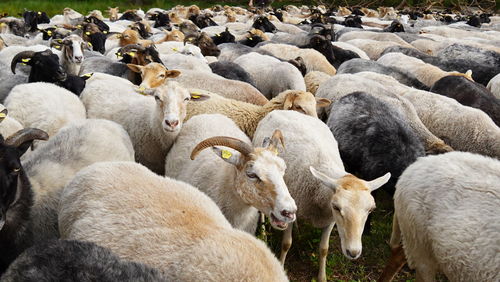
{"x": 395, "y": 26}
{"x": 161, "y": 20}
{"x": 130, "y": 15}
{"x": 231, "y": 70}
{"x": 98, "y": 42}
{"x": 44, "y": 66}
{"x": 16, "y": 197}
{"x": 32, "y": 19}
{"x": 202, "y": 21}
{"x": 470, "y": 94}
{"x": 62, "y": 260}
{"x": 264, "y": 24}
{"x": 223, "y": 37}
{"x": 335, "y": 55}
{"x": 206, "y": 44}
{"x": 373, "y": 138}
{"x": 102, "y": 25}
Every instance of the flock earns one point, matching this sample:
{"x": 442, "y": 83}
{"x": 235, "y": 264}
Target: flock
{"x": 149, "y": 145}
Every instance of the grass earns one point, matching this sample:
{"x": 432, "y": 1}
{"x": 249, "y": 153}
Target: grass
{"x": 302, "y": 260}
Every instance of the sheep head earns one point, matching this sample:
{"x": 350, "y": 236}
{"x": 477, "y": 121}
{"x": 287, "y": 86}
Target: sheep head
{"x": 303, "y": 102}
{"x": 153, "y": 74}
{"x": 351, "y": 202}
{"x": 259, "y": 175}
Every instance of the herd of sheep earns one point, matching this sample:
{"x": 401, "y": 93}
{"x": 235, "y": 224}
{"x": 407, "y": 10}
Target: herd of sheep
{"x": 106, "y": 121}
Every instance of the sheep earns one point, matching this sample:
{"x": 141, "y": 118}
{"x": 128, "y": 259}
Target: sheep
{"x": 247, "y": 116}
{"x": 211, "y": 82}
{"x": 426, "y": 73}
{"x": 469, "y": 93}
{"x": 71, "y": 56}
{"x": 370, "y": 35}
{"x": 494, "y": 86}
{"x": 314, "y": 79}
{"x": 8, "y": 125}
{"x": 206, "y": 44}
{"x": 373, "y": 137}
{"x": 446, "y": 218}
{"x": 317, "y": 180}
{"x": 243, "y": 181}
{"x": 44, "y": 106}
{"x": 169, "y": 210}
{"x": 463, "y": 128}
{"x": 335, "y": 55}
{"x": 58, "y": 260}
{"x": 185, "y": 62}
{"x": 113, "y": 13}
{"x": 361, "y": 65}
{"x": 17, "y": 197}
{"x": 372, "y": 48}
{"x": 455, "y": 32}
{"x": 54, "y": 163}
{"x": 152, "y": 121}
{"x": 232, "y": 71}
{"x": 270, "y": 75}
{"x": 479, "y": 55}
{"x": 343, "y": 84}
{"x": 314, "y": 60}
{"x": 153, "y": 75}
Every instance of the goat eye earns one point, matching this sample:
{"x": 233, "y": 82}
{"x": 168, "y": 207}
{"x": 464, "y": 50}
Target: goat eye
{"x": 157, "y": 98}
{"x": 16, "y": 169}
{"x": 162, "y": 75}
{"x": 336, "y": 208}
{"x": 252, "y": 176}
{"x": 187, "y": 99}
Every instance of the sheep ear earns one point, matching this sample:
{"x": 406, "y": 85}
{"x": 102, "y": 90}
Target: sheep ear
{"x": 173, "y": 73}
{"x": 197, "y": 96}
{"x": 275, "y": 141}
{"x": 326, "y": 180}
{"x": 322, "y": 102}
{"x": 135, "y": 68}
{"x": 468, "y": 74}
{"x": 378, "y": 182}
{"x": 290, "y": 98}
{"x": 87, "y": 76}
{"x": 3, "y": 114}
{"x": 228, "y": 156}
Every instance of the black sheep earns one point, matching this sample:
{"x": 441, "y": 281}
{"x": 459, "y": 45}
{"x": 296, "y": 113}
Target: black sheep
{"x": 16, "y": 196}
{"x": 32, "y": 19}
{"x": 68, "y": 260}
{"x": 335, "y": 55}
{"x": 130, "y": 16}
{"x": 74, "y": 83}
{"x": 470, "y": 94}
{"x": 264, "y": 24}
{"x": 395, "y": 26}
{"x": 231, "y": 70}
{"x": 360, "y": 65}
{"x": 161, "y": 20}
{"x": 223, "y": 37}
{"x": 373, "y": 138}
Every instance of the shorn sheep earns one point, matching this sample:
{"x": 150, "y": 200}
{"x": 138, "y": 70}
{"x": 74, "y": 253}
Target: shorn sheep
{"x": 58, "y": 260}
{"x": 324, "y": 192}
{"x": 247, "y": 116}
{"x": 240, "y": 181}
{"x": 156, "y": 220}
{"x": 17, "y": 196}
{"x": 51, "y": 166}
{"x": 446, "y": 218}
{"x": 494, "y": 86}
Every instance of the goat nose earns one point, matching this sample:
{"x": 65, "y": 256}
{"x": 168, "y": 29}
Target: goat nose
{"x": 353, "y": 253}
{"x": 172, "y": 124}
{"x": 288, "y": 214}
{"x": 79, "y": 58}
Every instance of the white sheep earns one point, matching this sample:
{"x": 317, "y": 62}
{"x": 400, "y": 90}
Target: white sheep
{"x": 314, "y": 79}
{"x": 8, "y": 125}
{"x": 270, "y": 75}
{"x": 181, "y": 62}
{"x": 428, "y": 74}
{"x": 247, "y": 116}
{"x": 240, "y": 181}
{"x": 372, "y": 48}
{"x": 346, "y": 46}
{"x": 152, "y": 121}
{"x": 54, "y": 163}
{"x": 44, "y": 106}
{"x": 343, "y": 84}
{"x": 494, "y": 86}
{"x": 324, "y": 192}
{"x": 154, "y": 220}
{"x": 371, "y": 35}
{"x": 314, "y": 60}
{"x": 446, "y": 218}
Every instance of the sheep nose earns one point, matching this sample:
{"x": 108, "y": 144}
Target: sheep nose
{"x": 79, "y": 59}
{"x": 172, "y": 124}
{"x": 353, "y": 253}
{"x": 288, "y": 214}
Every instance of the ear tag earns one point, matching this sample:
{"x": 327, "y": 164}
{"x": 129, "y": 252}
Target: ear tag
{"x": 2, "y": 115}
{"x": 132, "y": 54}
{"x": 250, "y": 38}
{"x": 226, "y": 154}
{"x": 40, "y": 13}
{"x": 218, "y": 35}
{"x": 25, "y": 60}
{"x": 90, "y": 44}
{"x": 175, "y": 49}
{"x": 105, "y": 32}
{"x": 87, "y": 33}
{"x": 88, "y": 74}
{"x": 57, "y": 47}
{"x": 79, "y": 26}
{"x": 49, "y": 33}
{"x": 195, "y": 95}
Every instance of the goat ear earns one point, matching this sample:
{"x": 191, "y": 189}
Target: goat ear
{"x": 378, "y": 182}
{"x": 229, "y": 156}
{"x": 322, "y": 102}
{"x": 173, "y": 73}
{"x": 135, "y": 68}
{"x": 326, "y": 180}
{"x": 3, "y": 114}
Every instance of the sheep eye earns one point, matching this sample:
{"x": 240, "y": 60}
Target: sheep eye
{"x": 162, "y": 75}
{"x": 252, "y": 176}
{"x": 187, "y": 99}
{"x": 336, "y": 208}
{"x": 157, "y": 98}
{"x": 16, "y": 169}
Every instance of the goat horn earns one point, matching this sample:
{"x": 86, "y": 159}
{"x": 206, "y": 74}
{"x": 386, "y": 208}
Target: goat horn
{"x": 17, "y": 58}
{"x": 242, "y": 147}
{"x": 26, "y": 134}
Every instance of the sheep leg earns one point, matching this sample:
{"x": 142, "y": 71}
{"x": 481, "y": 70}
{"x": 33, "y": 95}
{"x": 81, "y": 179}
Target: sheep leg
{"x": 425, "y": 273}
{"x": 323, "y": 251}
{"x": 286, "y": 243}
{"x": 394, "y": 264}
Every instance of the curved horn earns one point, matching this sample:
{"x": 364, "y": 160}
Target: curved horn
{"x": 128, "y": 48}
{"x": 242, "y": 147}
{"x": 26, "y": 134}
{"x": 17, "y": 58}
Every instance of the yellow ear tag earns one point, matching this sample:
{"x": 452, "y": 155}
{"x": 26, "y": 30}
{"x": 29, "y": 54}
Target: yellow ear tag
{"x": 87, "y": 33}
{"x": 218, "y": 35}
{"x": 105, "y": 32}
{"x": 141, "y": 90}
{"x": 226, "y": 154}
{"x": 90, "y": 44}
{"x": 49, "y": 33}
{"x": 79, "y": 26}
{"x": 25, "y": 60}
{"x": 57, "y": 47}
{"x": 250, "y": 38}
{"x": 2, "y": 115}
{"x": 175, "y": 49}
{"x": 88, "y": 74}
{"x": 40, "y": 13}
{"x": 132, "y": 54}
